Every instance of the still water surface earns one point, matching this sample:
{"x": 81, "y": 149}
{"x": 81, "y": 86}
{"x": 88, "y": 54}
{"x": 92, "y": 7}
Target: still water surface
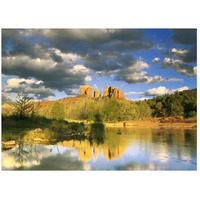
{"x": 133, "y": 149}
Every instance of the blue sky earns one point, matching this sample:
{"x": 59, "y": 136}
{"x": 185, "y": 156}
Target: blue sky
{"x": 50, "y": 64}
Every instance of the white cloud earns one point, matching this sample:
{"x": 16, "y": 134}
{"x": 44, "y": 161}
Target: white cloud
{"x": 156, "y": 60}
{"x": 88, "y": 78}
{"x": 179, "y": 51}
{"x": 39, "y": 82}
{"x": 61, "y": 76}
{"x": 179, "y": 66}
{"x": 195, "y": 70}
{"x": 180, "y": 89}
{"x": 139, "y": 99}
{"x": 17, "y": 82}
{"x": 80, "y": 69}
{"x": 157, "y": 91}
{"x": 134, "y": 74}
{"x": 134, "y": 93}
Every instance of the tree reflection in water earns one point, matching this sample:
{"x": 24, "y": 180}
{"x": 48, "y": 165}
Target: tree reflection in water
{"x": 138, "y": 149}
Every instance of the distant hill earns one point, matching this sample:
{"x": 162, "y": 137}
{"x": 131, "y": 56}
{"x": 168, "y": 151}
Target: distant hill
{"x": 67, "y": 100}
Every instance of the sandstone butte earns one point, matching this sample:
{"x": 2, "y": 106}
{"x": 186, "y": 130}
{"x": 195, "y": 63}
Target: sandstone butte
{"x": 86, "y": 91}
{"x": 109, "y": 91}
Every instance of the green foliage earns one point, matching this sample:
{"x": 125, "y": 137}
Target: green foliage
{"x": 110, "y": 110}
{"x": 143, "y": 110}
{"x": 127, "y": 110}
{"x": 58, "y": 111}
{"x": 37, "y": 126}
{"x": 23, "y": 106}
{"x": 178, "y": 104}
{"x": 192, "y": 114}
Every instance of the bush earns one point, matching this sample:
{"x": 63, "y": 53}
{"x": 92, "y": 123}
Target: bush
{"x": 192, "y": 114}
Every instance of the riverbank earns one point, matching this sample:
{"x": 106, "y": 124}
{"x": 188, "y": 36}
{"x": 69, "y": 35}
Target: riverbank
{"x": 157, "y": 123}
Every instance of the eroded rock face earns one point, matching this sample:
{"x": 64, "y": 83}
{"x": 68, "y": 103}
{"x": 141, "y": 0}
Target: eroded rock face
{"x": 110, "y": 91}
{"x": 86, "y": 90}
{"x": 100, "y": 94}
{"x": 96, "y": 93}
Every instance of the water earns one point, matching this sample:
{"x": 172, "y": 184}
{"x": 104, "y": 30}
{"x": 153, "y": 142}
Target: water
{"x": 133, "y": 149}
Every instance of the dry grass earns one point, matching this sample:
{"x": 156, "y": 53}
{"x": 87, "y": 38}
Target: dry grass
{"x": 169, "y": 122}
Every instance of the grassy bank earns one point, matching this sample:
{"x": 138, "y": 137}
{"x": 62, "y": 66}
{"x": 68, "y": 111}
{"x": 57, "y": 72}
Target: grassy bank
{"x": 39, "y": 128}
{"x": 157, "y": 123}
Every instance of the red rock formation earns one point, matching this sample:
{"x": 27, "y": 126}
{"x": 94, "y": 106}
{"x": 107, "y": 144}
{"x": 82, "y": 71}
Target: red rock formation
{"x": 86, "y": 90}
{"x": 96, "y": 93}
{"x": 100, "y": 94}
{"x": 110, "y": 91}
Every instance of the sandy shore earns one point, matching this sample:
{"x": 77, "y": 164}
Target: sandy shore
{"x": 156, "y": 124}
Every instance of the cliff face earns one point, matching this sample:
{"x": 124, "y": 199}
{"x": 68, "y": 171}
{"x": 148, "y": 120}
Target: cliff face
{"x": 109, "y": 91}
{"x": 96, "y": 93}
{"x": 86, "y": 90}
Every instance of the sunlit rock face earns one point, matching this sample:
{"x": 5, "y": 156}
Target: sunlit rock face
{"x": 111, "y": 154}
{"x": 86, "y": 90}
{"x": 86, "y": 150}
{"x": 110, "y": 91}
{"x": 84, "y": 147}
{"x": 96, "y": 93}
{"x": 100, "y": 94}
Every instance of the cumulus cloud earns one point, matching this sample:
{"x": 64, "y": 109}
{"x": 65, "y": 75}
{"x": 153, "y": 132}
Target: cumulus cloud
{"x": 180, "y": 89}
{"x": 179, "y": 66}
{"x": 84, "y": 41}
{"x": 156, "y": 60}
{"x": 39, "y": 82}
{"x": 27, "y": 86}
{"x": 16, "y": 42}
{"x": 63, "y": 59}
{"x": 16, "y": 82}
{"x": 195, "y": 70}
{"x": 61, "y": 76}
{"x": 159, "y": 91}
{"x": 134, "y": 74}
{"x": 188, "y": 55}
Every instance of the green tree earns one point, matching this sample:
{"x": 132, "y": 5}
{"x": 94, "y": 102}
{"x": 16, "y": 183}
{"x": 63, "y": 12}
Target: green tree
{"x": 143, "y": 110}
{"x": 58, "y": 111}
{"x": 127, "y": 110}
{"x": 110, "y": 110}
{"x": 23, "y": 106}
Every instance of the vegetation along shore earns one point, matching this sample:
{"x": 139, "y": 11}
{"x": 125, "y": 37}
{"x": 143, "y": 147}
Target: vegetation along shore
{"x": 69, "y": 118}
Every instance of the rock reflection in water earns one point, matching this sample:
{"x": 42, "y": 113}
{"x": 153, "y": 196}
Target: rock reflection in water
{"x": 134, "y": 149}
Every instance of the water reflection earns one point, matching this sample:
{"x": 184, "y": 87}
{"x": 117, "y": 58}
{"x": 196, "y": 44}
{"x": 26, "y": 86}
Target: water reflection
{"x": 133, "y": 149}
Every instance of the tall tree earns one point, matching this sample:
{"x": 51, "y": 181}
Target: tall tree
{"x": 23, "y": 106}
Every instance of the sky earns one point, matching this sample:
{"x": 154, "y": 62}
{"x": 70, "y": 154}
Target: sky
{"x": 50, "y": 64}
